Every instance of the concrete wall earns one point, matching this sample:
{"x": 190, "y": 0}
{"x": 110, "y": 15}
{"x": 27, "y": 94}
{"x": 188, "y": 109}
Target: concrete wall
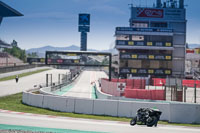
{"x": 172, "y": 112}
{"x": 17, "y": 68}
{"x": 184, "y": 113}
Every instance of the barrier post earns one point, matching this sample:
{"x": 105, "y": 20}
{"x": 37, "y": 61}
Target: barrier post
{"x": 58, "y": 78}
{"x": 110, "y": 65}
{"x": 195, "y": 93}
{"x": 185, "y": 88}
{"x": 51, "y": 80}
{"x": 165, "y": 91}
{"x": 46, "y": 80}
{"x": 171, "y": 93}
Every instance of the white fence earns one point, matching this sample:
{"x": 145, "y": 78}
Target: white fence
{"x": 172, "y": 112}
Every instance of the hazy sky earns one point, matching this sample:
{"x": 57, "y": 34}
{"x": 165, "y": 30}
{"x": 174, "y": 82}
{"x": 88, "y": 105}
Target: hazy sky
{"x": 55, "y": 22}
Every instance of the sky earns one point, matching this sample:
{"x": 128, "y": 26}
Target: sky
{"x": 55, "y": 22}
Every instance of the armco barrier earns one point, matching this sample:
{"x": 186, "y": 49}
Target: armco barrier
{"x": 172, "y": 112}
{"x": 17, "y": 68}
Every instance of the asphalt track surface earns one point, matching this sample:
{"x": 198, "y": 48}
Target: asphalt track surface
{"x": 77, "y": 125}
{"x": 83, "y": 87}
{"x": 25, "y": 83}
{"x": 87, "y": 125}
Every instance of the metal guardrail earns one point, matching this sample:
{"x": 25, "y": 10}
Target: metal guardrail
{"x": 17, "y": 68}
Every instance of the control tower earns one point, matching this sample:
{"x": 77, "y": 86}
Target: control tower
{"x": 154, "y": 43}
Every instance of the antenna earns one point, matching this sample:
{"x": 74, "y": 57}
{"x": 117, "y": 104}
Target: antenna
{"x": 131, "y": 4}
{"x": 146, "y": 3}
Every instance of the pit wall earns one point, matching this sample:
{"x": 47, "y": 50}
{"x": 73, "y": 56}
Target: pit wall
{"x": 172, "y": 112}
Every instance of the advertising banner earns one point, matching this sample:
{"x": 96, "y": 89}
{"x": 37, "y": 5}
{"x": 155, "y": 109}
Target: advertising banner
{"x": 149, "y": 13}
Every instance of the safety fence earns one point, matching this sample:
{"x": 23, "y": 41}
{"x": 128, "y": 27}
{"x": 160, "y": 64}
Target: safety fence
{"x": 135, "y": 88}
{"x": 185, "y": 82}
{"x": 64, "y": 80}
{"x": 109, "y": 87}
{"x": 145, "y": 94}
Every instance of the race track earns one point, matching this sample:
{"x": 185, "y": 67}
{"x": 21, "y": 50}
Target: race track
{"x": 86, "y": 125}
{"x": 83, "y": 87}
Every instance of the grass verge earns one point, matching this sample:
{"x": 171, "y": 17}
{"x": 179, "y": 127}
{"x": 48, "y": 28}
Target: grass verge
{"x": 22, "y": 75}
{"x": 14, "y": 103}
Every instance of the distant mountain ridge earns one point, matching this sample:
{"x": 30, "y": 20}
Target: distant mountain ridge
{"x": 194, "y": 46}
{"x": 41, "y": 50}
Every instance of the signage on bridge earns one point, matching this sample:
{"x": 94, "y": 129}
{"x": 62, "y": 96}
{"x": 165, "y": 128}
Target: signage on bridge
{"x": 81, "y": 58}
{"x": 31, "y": 60}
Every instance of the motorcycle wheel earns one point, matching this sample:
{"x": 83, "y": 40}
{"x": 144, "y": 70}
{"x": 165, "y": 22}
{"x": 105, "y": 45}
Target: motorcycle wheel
{"x": 133, "y": 121}
{"x": 151, "y": 121}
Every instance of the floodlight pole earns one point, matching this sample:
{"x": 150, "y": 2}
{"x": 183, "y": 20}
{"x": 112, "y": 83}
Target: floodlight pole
{"x": 110, "y": 63}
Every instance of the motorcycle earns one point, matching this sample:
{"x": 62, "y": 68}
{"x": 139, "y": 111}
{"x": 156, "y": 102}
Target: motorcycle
{"x": 146, "y": 116}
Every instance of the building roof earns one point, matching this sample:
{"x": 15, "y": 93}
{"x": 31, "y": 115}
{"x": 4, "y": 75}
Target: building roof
{"x": 192, "y": 56}
{"x": 4, "y": 44}
{"x": 7, "y": 11}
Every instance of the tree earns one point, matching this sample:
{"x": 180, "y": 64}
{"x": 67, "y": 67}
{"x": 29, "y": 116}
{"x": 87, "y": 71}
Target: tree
{"x": 16, "y": 52}
{"x": 33, "y": 55}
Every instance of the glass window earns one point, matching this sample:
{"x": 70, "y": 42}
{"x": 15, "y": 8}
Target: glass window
{"x": 159, "y": 38}
{"x": 123, "y": 37}
{"x": 140, "y": 24}
{"x": 159, "y": 24}
{"x": 137, "y": 38}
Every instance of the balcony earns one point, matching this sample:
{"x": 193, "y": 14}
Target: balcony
{"x": 141, "y": 71}
{"x": 142, "y": 56}
{"x": 124, "y": 44}
{"x": 143, "y": 31}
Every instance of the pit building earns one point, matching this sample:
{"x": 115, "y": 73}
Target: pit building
{"x": 155, "y": 41}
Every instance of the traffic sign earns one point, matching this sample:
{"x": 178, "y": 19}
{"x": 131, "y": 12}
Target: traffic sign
{"x": 84, "y": 19}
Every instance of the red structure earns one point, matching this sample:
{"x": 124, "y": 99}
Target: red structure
{"x": 135, "y": 88}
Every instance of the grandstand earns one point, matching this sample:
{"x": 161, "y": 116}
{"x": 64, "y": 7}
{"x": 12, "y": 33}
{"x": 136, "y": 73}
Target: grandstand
{"x": 9, "y": 60}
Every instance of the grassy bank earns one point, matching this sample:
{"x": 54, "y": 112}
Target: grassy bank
{"x": 13, "y": 103}
{"x": 22, "y": 75}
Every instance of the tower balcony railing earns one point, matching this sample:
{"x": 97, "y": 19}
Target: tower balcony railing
{"x": 144, "y": 71}
{"x": 143, "y": 56}
{"x": 143, "y": 43}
